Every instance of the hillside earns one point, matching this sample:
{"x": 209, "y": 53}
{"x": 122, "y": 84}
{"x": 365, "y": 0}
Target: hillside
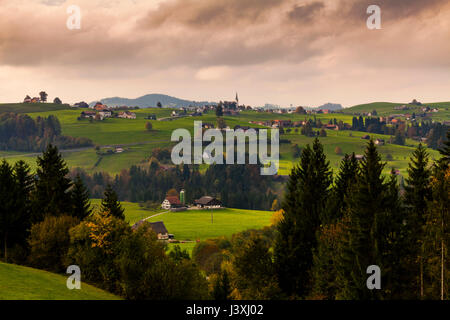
{"x": 139, "y": 143}
{"x": 150, "y": 101}
{"x": 32, "y": 107}
{"x": 23, "y": 283}
{"x": 387, "y": 108}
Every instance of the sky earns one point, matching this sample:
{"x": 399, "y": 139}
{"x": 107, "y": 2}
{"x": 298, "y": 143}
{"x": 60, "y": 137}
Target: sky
{"x": 285, "y": 52}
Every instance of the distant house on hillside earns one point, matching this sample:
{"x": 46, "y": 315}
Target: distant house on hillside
{"x": 88, "y": 114}
{"x": 127, "y": 115}
{"x": 27, "y": 99}
{"x": 366, "y": 137}
{"x": 379, "y": 142}
{"x": 105, "y": 114}
{"x": 208, "y": 202}
{"x": 101, "y": 107}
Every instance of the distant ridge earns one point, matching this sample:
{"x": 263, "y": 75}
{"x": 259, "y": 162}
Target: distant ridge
{"x": 330, "y": 106}
{"x": 327, "y": 106}
{"x": 150, "y": 101}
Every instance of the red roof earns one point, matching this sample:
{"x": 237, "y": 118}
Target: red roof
{"x": 173, "y": 200}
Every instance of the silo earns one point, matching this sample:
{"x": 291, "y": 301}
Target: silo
{"x": 182, "y": 197}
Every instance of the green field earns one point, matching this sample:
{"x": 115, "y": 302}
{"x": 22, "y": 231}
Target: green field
{"x": 348, "y": 144}
{"x": 23, "y": 283}
{"x": 387, "y": 108}
{"x": 139, "y": 143}
{"x": 192, "y": 225}
{"x": 195, "y": 225}
{"x": 133, "y": 212}
{"x": 31, "y": 107}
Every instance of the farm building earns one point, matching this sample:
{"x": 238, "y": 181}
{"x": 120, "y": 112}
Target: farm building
{"x": 366, "y": 137}
{"x": 171, "y": 203}
{"x": 208, "y": 202}
{"x": 105, "y": 114}
{"x": 379, "y": 142}
{"x": 127, "y": 115}
{"x": 160, "y": 229}
{"x": 88, "y": 114}
{"x": 101, "y": 107}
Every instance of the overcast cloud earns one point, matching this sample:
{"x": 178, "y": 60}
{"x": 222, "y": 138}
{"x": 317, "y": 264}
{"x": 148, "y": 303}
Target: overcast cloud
{"x": 275, "y": 51}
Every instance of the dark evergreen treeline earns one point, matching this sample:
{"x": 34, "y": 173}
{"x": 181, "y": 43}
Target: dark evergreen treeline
{"x": 20, "y": 132}
{"x": 28, "y": 199}
{"x": 328, "y": 234}
{"x": 237, "y": 186}
{"x": 331, "y": 234}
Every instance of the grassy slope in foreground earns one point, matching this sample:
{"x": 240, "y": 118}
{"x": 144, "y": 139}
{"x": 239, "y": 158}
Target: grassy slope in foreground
{"x": 23, "y": 283}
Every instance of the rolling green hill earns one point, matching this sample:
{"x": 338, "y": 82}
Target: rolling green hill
{"x": 138, "y": 143}
{"x": 31, "y": 107}
{"x": 23, "y": 283}
{"x": 387, "y": 108}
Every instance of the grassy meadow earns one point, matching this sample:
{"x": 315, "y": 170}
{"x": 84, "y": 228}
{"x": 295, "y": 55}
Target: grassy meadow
{"x": 23, "y": 283}
{"x": 192, "y": 225}
{"x": 387, "y": 108}
{"x": 138, "y": 143}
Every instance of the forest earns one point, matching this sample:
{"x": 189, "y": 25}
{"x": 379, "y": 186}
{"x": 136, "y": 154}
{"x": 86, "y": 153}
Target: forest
{"x": 19, "y": 132}
{"x": 237, "y": 186}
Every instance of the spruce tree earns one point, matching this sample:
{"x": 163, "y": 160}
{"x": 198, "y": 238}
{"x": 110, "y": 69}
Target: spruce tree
{"x": 417, "y": 197}
{"x": 80, "y": 199}
{"x": 324, "y": 272}
{"x": 365, "y": 203}
{"x": 307, "y": 190}
{"x": 111, "y": 204}
{"x": 52, "y": 187}
{"x": 345, "y": 180}
{"x": 24, "y": 186}
{"x": 445, "y": 150}
{"x": 7, "y": 205}
{"x": 437, "y": 236}
{"x": 377, "y": 233}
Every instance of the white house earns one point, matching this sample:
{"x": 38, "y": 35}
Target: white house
{"x": 127, "y": 115}
{"x": 105, "y": 114}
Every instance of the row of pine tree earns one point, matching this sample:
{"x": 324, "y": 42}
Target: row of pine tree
{"x": 27, "y": 199}
{"x": 332, "y": 231}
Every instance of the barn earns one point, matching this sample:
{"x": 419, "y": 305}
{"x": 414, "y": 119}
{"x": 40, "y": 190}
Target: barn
{"x": 208, "y": 202}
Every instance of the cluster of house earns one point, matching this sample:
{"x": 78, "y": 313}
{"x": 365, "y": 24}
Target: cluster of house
{"x": 174, "y": 204}
{"x": 101, "y": 111}
{"x": 28, "y": 99}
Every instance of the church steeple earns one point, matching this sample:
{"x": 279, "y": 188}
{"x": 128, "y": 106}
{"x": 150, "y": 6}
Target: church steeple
{"x": 237, "y": 99}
